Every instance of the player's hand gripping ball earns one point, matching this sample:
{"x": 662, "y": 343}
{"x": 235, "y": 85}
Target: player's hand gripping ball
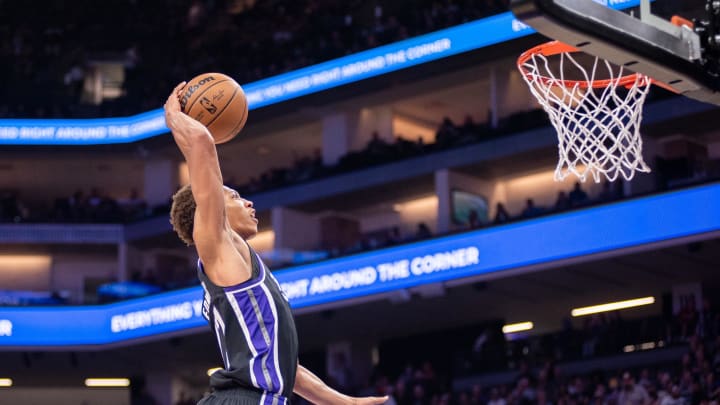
{"x": 218, "y": 102}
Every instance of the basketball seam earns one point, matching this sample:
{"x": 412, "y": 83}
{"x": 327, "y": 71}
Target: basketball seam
{"x": 242, "y": 121}
{"x": 223, "y": 109}
{"x": 200, "y": 95}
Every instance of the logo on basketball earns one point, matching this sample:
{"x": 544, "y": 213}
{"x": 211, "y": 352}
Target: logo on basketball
{"x": 208, "y": 105}
{"x": 191, "y": 89}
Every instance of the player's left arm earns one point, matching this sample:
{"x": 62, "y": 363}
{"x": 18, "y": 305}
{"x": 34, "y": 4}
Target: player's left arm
{"x": 310, "y": 387}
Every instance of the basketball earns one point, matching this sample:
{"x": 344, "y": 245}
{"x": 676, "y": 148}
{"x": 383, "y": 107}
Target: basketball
{"x": 217, "y": 101}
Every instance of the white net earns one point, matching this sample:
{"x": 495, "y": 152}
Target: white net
{"x": 598, "y": 127}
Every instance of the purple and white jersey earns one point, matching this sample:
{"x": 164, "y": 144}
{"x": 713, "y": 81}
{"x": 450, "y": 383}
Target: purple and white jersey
{"x": 256, "y": 334}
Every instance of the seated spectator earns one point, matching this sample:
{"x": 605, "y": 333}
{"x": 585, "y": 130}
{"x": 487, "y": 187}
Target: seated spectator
{"x": 423, "y": 231}
{"x": 11, "y": 209}
{"x": 469, "y": 126}
{"x": 673, "y": 398}
{"x": 608, "y": 192}
{"x": 562, "y": 203}
{"x": 687, "y": 319}
{"x": 418, "y": 395}
{"x": 501, "y": 214}
{"x": 577, "y": 196}
{"x": 406, "y": 148}
{"x": 476, "y": 394}
{"x": 495, "y": 398}
{"x": 530, "y": 209}
{"x": 341, "y": 375}
{"x": 400, "y": 393}
{"x": 109, "y": 211}
{"x": 447, "y": 134}
{"x": 708, "y": 321}
{"x": 78, "y": 205}
{"x": 133, "y": 207}
{"x": 393, "y": 237}
{"x": 632, "y": 393}
{"x": 474, "y": 220}
{"x": 377, "y": 146}
{"x": 94, "y": 199}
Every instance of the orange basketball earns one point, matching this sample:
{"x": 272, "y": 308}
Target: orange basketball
{"x": 218, "y": 102}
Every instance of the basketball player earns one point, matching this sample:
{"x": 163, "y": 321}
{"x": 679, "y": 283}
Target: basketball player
{"x": 243, "y": 303}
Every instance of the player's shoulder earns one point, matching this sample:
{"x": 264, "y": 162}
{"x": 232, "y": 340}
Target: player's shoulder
{"x": 229, "y": 265}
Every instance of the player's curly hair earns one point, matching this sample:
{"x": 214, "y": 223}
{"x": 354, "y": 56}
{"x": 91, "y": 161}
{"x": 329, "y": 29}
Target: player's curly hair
{"x": 182, "y": 214}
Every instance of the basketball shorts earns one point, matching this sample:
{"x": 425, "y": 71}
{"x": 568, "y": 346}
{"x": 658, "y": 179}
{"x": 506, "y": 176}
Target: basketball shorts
{"x": 237, "y": 396}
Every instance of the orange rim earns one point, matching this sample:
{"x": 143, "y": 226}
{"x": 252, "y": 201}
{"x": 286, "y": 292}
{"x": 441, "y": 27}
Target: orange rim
{"x": 556, "y": 48}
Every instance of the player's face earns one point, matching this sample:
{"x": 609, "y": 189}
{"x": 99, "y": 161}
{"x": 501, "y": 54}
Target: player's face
{"x": 240, "y": 214}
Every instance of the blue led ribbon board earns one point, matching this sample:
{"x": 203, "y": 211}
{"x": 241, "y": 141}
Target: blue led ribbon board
{"x": 312, "y": 79}
{"x": 564, "y": 236}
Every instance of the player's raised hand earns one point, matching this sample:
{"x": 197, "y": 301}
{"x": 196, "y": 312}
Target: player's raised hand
{"x": 183, "y": 127}
{"x": 172, "y": 105}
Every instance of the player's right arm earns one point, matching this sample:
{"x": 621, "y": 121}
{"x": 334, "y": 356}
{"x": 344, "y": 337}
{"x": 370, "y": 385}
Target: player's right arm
{"x": 312, "y": 388}
{"x": 213, "y": 240}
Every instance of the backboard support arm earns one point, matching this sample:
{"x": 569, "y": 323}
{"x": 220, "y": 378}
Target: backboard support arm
{"x": 641, "y": 46}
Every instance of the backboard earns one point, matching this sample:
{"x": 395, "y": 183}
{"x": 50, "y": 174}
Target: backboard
{"x": 685, "y": 57}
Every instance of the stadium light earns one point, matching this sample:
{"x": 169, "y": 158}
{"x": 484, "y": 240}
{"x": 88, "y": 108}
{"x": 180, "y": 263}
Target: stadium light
{"x": 107, "y": 382}
{"x": 517, "y": 327}
{"x": 612, "y": 306}
{"x": 5, "y": 382}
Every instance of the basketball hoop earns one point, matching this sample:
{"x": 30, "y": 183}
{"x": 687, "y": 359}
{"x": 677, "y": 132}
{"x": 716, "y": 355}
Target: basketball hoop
{"x": 597, "y": 119}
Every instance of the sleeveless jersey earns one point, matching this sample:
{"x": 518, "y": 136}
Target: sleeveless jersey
{"x": 255, "y": 332}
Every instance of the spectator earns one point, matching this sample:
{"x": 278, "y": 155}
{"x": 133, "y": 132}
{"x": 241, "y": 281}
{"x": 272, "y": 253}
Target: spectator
{"x": 423, "y": 231}
{"x": 474, "y": 219}
{"x": 673, "y": 398}
{"x": 418, "y": 397}
{"x": 687, "y": 318}
{"x": 139, "y": 394}
{"x": 400, "y": 394}
{"x": 11, "y": 209}
{"x": 563, "y": 202}
{"x": 599, "y": 394}
{"x": 133, "y": 207}
{"x": 195, "y": 15}
{"x": 78, "y": 205}
{"x": 708, "y": 321}
{"x": 631, "y": 393}
{"x": 341, "y": 375}
{"x": 608, "y": 192}
{"x": 74, "y": 79}
{"x": 377, "y": 146}
{"x": 393, "y": 237}
{"x": 577, "y": 196}
{"x": 530, "y": 209}
{"x": 523, "y": 394}
{"x": 495, "y": 398}
{"x": 447, "y": 134}
{"x": 501, "y": 214}
{"x": 476, "y": 395}
{"x": 469, "y": 127}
